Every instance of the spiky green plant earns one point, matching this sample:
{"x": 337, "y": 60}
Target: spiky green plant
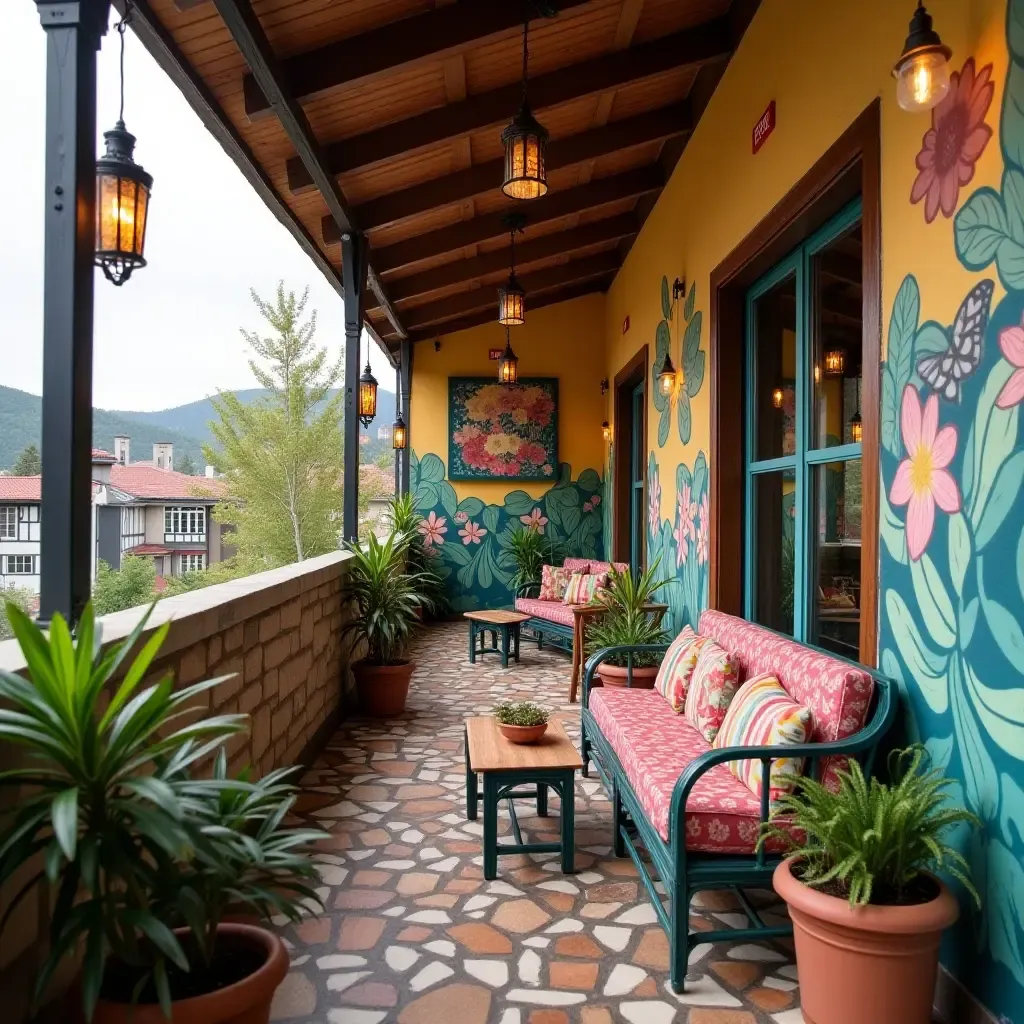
{"x": 529, "y": 551}
{"x": 873, "y": 838}
{"x": 523, "y": 713}
{"x": 402, "y": 517}
{"x": 626, "y": 622}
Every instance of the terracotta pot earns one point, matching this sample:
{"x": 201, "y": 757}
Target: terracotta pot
{"x": 614, "y": 675}
{"x": 382, "y": 688}
{"x": 246, "y": 1002}
{"x": 522, "y": 733}
{"x": 872, "y": 963}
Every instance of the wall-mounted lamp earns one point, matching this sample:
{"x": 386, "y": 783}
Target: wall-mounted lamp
{"x": 835, "y": 362}
{"x": 606, "y": 431}
{"x": 922, "y": 72}
{"x": 817, "y": 374}
{"x": 604, "y": 387}
{"x": 678, "y": 288}
{"x": 667, "y": 376}
{"x": 777, "y": 398}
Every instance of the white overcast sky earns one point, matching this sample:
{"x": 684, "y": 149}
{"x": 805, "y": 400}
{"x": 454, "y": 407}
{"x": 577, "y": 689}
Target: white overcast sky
{"x": 170, "y": 335}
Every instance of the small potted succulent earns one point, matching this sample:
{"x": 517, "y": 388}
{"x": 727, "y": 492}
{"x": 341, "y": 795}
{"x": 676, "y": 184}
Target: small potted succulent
{"x": 628, "y": 623}
{"x": 521, "y": 721}
{"x": 868, "y": 913}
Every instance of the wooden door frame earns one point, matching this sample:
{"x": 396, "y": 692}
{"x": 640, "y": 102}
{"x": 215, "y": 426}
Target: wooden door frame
{"x": 851, "y": 167}
{"x": 626, "y": 380}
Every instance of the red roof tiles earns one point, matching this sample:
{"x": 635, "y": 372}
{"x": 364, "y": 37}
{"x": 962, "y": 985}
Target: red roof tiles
{"x": 20, "y": 488}
{"x": 139, "y": 481}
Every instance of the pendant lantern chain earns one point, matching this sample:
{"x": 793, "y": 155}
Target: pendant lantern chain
{"x": 122, "y": 26}
{"x": 526, "y": 53}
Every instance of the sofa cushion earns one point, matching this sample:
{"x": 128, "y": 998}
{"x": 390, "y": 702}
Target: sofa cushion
{"x": 607, "y": 567}
{"x": 572, "y": 565}
{"x": 553, "y": 611}
{"x": 837, "y": 692}
{"x": 583, "y": 589}
{"x": 712, "y": 686}
{"x": 553, "y": 582}
{"x": 764, "y": 714}
{"x": 677, "y": 666}
{"x": 654, "y": 745}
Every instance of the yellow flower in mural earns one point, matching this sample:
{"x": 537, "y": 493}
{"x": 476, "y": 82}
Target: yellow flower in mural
{"x": 502, "y": 444}
{"x": 519, "y": 417}
{"x": 487, "y": 404}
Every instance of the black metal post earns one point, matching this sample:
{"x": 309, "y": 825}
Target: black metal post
{"x": 73, "y": 34}
{"x": 405, "y": 387}
{"x": 353, "y": 272}
{"x": 398, "y": 412}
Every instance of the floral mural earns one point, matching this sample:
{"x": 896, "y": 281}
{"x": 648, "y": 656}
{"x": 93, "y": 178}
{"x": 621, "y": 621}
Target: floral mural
{"x": 469, "y": 539}
{"x": 502, "y": 430}
{"x": 952, "y": 568}
{"x": 691, "y": 358}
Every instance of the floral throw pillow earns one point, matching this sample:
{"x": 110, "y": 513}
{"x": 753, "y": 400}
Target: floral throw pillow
{"x": 677, "y": 667}
{"x": 763, "y": 714}
{"x": 554, "y": 580}
{"x": 713, "y": 685}
{"x": 583, "y": 588}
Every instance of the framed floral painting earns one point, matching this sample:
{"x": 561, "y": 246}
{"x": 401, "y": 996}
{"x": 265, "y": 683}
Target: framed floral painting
{"x": 502, "y": 431}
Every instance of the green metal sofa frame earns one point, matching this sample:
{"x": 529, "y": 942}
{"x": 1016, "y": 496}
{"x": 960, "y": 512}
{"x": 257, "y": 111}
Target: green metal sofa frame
{"x": 540, "y": 629}
{"x": 682, "y": 872}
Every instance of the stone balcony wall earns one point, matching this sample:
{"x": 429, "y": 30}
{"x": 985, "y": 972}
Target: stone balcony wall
{"x": 278, "y": 635}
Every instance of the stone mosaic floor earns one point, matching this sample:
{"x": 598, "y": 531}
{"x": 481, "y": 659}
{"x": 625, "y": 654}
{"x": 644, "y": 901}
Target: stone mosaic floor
{"x": 414, "y": 935}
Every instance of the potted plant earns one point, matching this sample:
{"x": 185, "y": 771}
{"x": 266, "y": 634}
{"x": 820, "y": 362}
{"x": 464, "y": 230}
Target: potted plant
{"x": 526, "y": 551}
{"x": 627, "y": 622}
{"x": 404, "y": 519}
{"x": 521, "y": 721}
{"x": 124, "y": 834}
{"x": 868, "y": 913}
{"x": 386, "y": 600}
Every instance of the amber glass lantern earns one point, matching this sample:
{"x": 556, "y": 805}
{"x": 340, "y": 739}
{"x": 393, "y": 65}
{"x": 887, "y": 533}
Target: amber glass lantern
{"x": 667, "y": 376}
{"x": 508, "y": 364}
{"x": 525, "y": 140}
{"x": 512, "y": 303}
{"x": 367, "y": 396}
{"x": 856, "y": 428}
{"x": 835, "y": 362}
{"x": 122, "y": 204}
{"x": 922, "y": 72}
{"x": 606, "y": 431}
{"x": 778, "y": 398}
{"x": 398, "y": 434}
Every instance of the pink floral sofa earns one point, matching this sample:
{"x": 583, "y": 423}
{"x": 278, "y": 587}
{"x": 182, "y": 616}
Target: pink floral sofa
{"x": 673, "y": 794}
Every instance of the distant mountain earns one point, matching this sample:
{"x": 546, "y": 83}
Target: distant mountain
{"x": 185, "y": 426}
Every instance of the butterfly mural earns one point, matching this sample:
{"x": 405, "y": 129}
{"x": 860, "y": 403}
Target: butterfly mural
{"x": 945, "y": 371}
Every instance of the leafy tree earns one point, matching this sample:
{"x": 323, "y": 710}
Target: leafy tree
{"x": 24, "y": 598}
{"x": 131, "y": 585}
{"x": 187, "y": 465}
{"x": 282, "y": 456}
{"x": 386, "y": 459}
{"x": 28, "y": 462}
{"x": 219, "y": 572}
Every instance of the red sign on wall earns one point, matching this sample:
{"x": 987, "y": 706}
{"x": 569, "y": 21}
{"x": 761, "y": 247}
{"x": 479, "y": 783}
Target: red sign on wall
{"x": 764, "y": 127}
{"x": 494, "y": 353}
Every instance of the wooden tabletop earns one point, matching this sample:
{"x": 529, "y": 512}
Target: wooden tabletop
{"x": 497, "y": 617}
{"x": 489, "y": 751}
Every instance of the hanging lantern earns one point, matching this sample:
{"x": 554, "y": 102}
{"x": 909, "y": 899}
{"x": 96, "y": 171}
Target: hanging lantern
{"x": 778, "y": 398}
{"x": 667, "y": 376}
{"x": 856, "y": 428}
{"x": 508, "y": 364}
{"x": 122, "y": 197}
{"x": 817, "y": 374}
{"x": 524, "y": 140}
{"x": 606, "y": 431}
{"x": 922, "y": 72}
{"x": 512, "y": 298}
{"x": 367, "y": 396}
{"x": 835, "y": 362}
{"x": 398, "y": 434}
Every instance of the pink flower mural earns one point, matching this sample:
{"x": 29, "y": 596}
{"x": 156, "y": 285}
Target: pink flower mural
{"x": 703, "y": 532}
{"x": 922, "y": 480}
{"x": 951, "y": 147}
{"x": 536, "y": 520}
{"x": 433, "y": 529}
{"x": 472, "y": 533}
{"x": 685, "y": 531}
{"x": 654, "y": 504}
{"x": 1011, "y": 341}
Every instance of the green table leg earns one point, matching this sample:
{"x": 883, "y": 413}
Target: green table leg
{"x": 472, "y": 642}
{"x": 568, "y": 796}
{"x": 471, "y": 790}
{"x": 504, "y": 646}
{"x": 515, "y": 637}
{"x": 490, "y": 826}
{"x": 542, "y": 800}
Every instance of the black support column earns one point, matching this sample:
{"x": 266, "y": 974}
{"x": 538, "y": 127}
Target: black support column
{"x": 73, "y": 34}
{"x": 353, "y": 271}
{"x": 405, "y": 390}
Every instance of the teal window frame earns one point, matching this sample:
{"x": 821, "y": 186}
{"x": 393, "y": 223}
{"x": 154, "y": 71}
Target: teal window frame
{"x": 637, "y": 478}
{"x": 804, "y": 459}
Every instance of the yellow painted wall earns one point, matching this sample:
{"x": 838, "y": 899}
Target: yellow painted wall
{"x": 564, "y": 341}
{"x": 822, "y": 63}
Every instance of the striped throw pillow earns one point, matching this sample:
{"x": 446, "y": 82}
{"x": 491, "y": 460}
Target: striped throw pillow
{"x": 763, "y": 714}
{"x": 713, "y": 685}
{"x": 583, "y": 589}
{"x": 677, "y": 667}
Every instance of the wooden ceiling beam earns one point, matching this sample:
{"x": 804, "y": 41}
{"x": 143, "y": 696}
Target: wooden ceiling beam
{"x": 247, "y": 32}
{"x": 697, "y": 45}
{"x": 468, "y": 232}
{"x": 485, "y": 316}
{"x": 389, "y": 47}
{"x": 560, "y": 243}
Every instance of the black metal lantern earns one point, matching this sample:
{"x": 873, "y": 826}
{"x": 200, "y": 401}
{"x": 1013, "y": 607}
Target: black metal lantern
{"x": 922, "y": 72}
{"x": 667, "y": 376}
{"x": 398, "y": 434}
{"x": 508, "y": 364}
{"x": 511, "y": 297}
{"x": 122, "y": 197}
{"x": 367, "y": 396}
{"x": 525, "y": 140}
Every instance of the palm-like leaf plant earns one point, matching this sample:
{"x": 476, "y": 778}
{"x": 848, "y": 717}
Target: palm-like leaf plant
{"x": 628, "y": 622}
{"x": 386, "y": 596}
{"x": 402, "y": 517}
{"x": 102, "y": 812}
{"x": 870, "y": 839}
{"x": 529, "y": 551}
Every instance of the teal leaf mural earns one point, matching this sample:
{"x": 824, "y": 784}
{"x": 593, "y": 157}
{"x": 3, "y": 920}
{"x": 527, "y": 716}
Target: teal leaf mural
{"x": 900, "y": 364}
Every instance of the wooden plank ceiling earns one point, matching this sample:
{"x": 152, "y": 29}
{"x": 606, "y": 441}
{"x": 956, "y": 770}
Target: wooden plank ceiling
{"x": 385, "y": 116}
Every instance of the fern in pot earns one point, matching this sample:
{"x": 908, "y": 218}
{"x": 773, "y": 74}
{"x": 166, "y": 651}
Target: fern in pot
{"x": 117, "y": 826}
{"x": 867, "y": 906}
{"x": 628, "y": 622}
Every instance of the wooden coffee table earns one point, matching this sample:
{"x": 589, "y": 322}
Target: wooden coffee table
{"x": 505, "y": 623}
{"x": 551, "y": 762}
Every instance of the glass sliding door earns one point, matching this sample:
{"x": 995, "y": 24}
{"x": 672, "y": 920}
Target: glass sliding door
{"x": 803, "y": 464}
